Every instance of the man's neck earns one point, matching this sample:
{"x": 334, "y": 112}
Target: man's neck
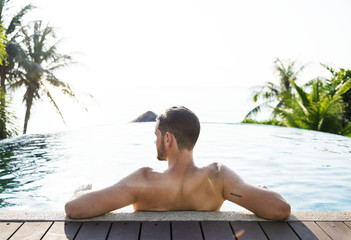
{"x": 181, "y": 161}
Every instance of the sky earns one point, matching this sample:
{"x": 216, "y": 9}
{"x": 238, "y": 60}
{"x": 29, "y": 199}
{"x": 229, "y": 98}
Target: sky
{"x": 162, "y": 45}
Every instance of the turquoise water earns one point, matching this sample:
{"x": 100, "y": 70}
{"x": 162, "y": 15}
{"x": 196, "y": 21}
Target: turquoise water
{"x": 312, "y": 170}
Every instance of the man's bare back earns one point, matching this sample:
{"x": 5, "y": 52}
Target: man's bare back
{"x": 183, "y": 186}
{"x": 192, "y": 189}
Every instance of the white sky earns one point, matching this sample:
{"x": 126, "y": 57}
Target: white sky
{"x": 190, "y": 43}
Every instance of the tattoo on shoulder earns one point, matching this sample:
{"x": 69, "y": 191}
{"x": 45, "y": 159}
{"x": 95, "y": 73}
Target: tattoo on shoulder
{"x": 236, "y": 195}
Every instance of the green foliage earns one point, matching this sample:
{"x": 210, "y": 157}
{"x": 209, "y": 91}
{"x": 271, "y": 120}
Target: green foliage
{"x": 279, "y": 95}
{"x": 273, "y": 122}
{"x": 339, "y": 77}
{"x": 322, "y": 104}
{"x": 29, "y": 62}
{"x": 10, "y": 55}
{"x": 3, "y": 41}
{"x": 317, "y": 110}
{"x": 7, "y": 119}
{"x": 11, "y": 24}
{"x": 37, "y": 68}
{"x": 346, "y": 131}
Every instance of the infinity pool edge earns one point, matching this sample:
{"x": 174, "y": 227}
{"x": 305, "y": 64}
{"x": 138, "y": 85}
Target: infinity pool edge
{"x": 40, "y": 215}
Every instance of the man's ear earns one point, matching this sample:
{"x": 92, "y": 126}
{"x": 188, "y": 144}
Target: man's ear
{"x": 168, "y": 139}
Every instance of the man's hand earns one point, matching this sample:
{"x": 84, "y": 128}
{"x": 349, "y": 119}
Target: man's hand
{"x": 87, "y": 203}
{"x": 84, "y": 187}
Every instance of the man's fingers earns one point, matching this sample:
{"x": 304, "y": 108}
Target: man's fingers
{"x": 83, "y": 187}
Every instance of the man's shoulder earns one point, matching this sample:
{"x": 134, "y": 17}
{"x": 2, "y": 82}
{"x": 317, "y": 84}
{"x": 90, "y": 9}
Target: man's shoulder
{"x": 218, "y": 169}
{"x": 215, "y": 167}
{"x": 146, "y": 172}
{"x": 212, "y": 170}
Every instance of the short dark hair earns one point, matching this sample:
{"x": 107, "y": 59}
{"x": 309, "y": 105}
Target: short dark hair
{"x": 183, "y": 124}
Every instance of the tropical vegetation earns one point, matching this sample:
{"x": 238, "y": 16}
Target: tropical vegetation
{"x": 272, "y": 93}
{"x": 29, "y": 62}
{"x": 37, "y": 70}
{"x": 273, "y": 122}
{"x": 9, "y": 55}
{"x": 321, "y": 104}
{"x": 7, "y": 126}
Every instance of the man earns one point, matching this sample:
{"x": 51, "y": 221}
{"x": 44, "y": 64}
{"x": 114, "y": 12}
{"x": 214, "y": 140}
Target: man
{"x": 183, "y": 186}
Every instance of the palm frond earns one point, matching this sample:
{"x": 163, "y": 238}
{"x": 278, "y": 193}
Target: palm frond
{"x": 266, "y": 92}
{"x": 304, "y": 103}
{"x": 253, "y": 112}
{"x": 316, "y": 91}
{"x": 257, "y": 109}
{"x": 345, "y": 87}
{"x": 59, "y": 61}
{"x": 65, "y": 87}
{"x": 346, "y": 131}
{"x": 330, "y": 69}
{"x": 328, "y": 104}
{"x": 14, "y": 86}
{"x": 53, "y": 80}
{"x": 289, "y": 118}
{"x": 335, "y": 100}
{"x": 48, "y": 94}
{"x": 17, "y": 19}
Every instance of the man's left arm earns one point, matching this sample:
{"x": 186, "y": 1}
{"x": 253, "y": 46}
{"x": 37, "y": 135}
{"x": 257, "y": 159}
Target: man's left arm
{"x": 261, "y": 201}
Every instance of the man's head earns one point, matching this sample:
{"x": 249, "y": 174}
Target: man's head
{"x": 183, "y": 124}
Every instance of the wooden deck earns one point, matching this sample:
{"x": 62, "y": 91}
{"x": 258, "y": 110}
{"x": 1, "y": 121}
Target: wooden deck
{"x": 174, "y": 230}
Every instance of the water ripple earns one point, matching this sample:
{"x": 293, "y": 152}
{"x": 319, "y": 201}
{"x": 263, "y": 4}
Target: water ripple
{"x": 310, "y": 169}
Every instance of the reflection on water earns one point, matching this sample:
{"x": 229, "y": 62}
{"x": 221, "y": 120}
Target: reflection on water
{"x": 310, "y": 169}
{"x": 24, "y": 161}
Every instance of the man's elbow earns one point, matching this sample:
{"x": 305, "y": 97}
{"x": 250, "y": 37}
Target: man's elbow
{"x": 283, "y": 212}
{"x": 278, "y": 213}
{"x": 72, "y": 210}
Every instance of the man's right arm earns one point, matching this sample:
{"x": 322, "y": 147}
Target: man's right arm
{"x": 88, "y": 203}
{"x": 261, "y": 201}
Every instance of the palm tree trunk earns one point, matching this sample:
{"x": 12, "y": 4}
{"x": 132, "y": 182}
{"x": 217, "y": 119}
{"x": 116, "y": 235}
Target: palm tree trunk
{"x": 29, "y": 103}
{"x": 3, "y": 116}
{"x": 3, "y": 79}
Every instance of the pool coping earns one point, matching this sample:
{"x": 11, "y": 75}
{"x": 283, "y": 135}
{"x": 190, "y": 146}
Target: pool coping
{"x": 40, "y": 215}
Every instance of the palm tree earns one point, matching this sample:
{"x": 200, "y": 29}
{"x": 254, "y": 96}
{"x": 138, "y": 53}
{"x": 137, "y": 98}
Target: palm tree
{"x": 12, "y": 47}
{"x": 278, "y": 94}
{"x": 339, "y": 77}
{"x": 317, "y": 110}
{"x": 9, "y": 60}
{"x": 3, "y": 41}
{"x": 39, "y": 68}
{"x": 7, "y": 126}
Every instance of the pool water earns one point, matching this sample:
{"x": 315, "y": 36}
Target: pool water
{"x": 311, "y": 170}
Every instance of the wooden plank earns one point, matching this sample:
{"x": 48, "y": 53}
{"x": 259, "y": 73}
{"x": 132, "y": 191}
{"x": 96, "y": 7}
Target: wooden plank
{"x": 248, "y": 230}
{"x": 8, "y": 228}
{"x": 302, "y": 230}
{"x": 317, "y": 231}
{"x": 93, "y": 230}
{"x": 124, "y": 230}
{"x": 186, "y": 230}
{"x": 62, "y": 231}
{"x": 336, "y": 230}
{"x": 275, "y": 230}
{"x": 155, "y": 231}
{"x": 31, "y": 231}
{"x": 217, "y": 230}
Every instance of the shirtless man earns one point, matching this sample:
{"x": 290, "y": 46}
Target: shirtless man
{"x": 183, "y": 186}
